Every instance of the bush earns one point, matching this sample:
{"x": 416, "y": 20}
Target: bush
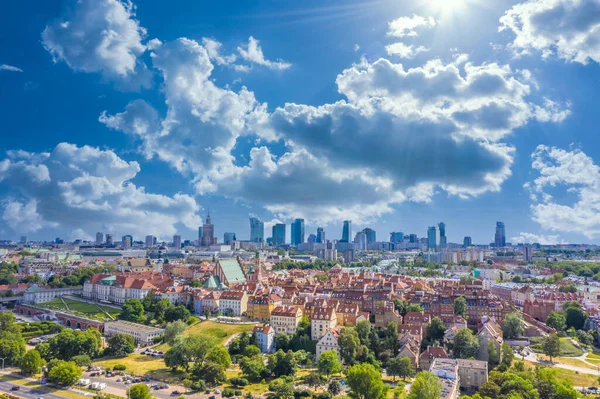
{"x": 82, "y": 360}
{"x": 228, "y": 393}
{"x": 192, "y": 320}
{"x": 305, "y": 393}
{"x": 324, "y": 395}
{"x": 120, "y": 367}
{"x": 240, "y": 382}
{"x": 199, "y": 385}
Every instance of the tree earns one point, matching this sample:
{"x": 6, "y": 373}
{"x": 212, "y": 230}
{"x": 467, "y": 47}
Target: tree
{"x": 401, "y": 367}
{"x": 31, "y": 363}
{"x": 283, "y": 363}
{"x": 391, "y": 338}
{"x": 575, "y": 317}
{"x": 120, "y": 345}
{"x": 436, "y": 329}
{"x": 334, "y": 387}
{"x": 349, "y": 343}
{"x": 12, "y": 344}
{"x": 365, "y": 382}
{"x": 254, "y": 368}
{"x": 139, "y": 391}
{"x": 363, "y": 329}
{"x": 251, "y": 350}
{"x": 132, "y": 310}
{"x": 313, "y": 380}
{"x": 426, "y": 386}
{"x": 557, "y": 321}
{"x": 82, "y": 360}
{"x": 465, "y": 344}
{"x": 507, "y": 355}
{"x": 513, "y": 326}
{"x": 65, "y": 373}
{"x": 460, "y": 306}
{"x": 177, "y": 313}
{"x": 328, "y": 363}
{"x": 551, "y": 346}
{"x": 160, "y": 309}
{"x": 584, "y": 337}
{"x": 493, "y": 355}
{"x": 173, "y": 331}
{"x": 68, "y": 343}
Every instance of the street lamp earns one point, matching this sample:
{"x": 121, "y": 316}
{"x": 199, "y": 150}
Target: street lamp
{"x": 3, "y": 358}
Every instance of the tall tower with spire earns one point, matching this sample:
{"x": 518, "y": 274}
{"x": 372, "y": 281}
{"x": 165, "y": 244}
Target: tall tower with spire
{"x": 208, "y": 233}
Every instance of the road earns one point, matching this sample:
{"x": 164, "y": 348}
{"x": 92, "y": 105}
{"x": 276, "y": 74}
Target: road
{"x": 26, "y": 392}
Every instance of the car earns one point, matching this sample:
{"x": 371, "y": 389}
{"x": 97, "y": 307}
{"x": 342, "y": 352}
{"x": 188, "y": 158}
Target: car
{"x": 127, "y": 382}
{"x": 212, "y": 397}
{"x": 175, "y": 393}
{"x": 15, "y": 388}
{"x": 93, "y": 374}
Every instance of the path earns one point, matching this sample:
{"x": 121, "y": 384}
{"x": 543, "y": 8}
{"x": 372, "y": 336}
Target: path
{"x": 532, "y": 357}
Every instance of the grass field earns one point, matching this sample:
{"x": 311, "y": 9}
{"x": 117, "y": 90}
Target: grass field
{"x": 567, "y": 349}
{"x": 81, "y": 308}
{"x": 221, "y": 331}
{"x": 578, "y": 380}
{"x": 139, "y": 365}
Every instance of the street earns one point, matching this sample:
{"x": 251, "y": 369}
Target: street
{"x": 26, "y": 392}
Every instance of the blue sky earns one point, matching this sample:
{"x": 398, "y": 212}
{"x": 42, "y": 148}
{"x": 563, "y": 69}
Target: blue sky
{"x": 136, "y": 118}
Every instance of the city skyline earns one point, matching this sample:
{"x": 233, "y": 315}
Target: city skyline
{"x": 469, "y": 126}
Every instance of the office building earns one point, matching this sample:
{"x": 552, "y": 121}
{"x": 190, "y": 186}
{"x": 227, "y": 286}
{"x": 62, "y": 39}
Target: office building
{"x": 228, "y": 238}
{"x": 320, "y": 235}
{"x": 346, "y": 231}
{"x": 177, "y": 241}
{"x": 298, "y": 232}
{"x": 500, "y": 236}
{"x": 413, "y": 239}
{"x": 433, "y": 238}
{"x": 371, "y": 235}
{"x": 110, "y": 240}
{"x": 99, "y": 238}
{"x": 467, "y": 242}
{"x": 200, "y": 233}
{"x": 257, "y": 230}
{"x": 278, "y": 234}
{"x": 396, "y": 237}
{"x": 360, "y": 241}
{"x": 150, "y": 241}
{"x": 528, "y": 253}
{"x": 141, "y": 334}
{"x": 208, "y": 233}
{"x": 443, "y": 240}
{"x": 127, "y": 241}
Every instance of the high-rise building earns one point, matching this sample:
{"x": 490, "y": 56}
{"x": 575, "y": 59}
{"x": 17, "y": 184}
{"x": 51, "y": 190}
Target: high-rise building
{"x": 528, "y": 253}
{"x": 208, "y": 233}
{"x": 312, "y": 238}
{"x": 443, "y": 239}
{"x": 127, "y": 241}
{"x": 110, "y": 240}
{"x": 413, "y": 239}
{"x": 154, "y": 240}
{"x": 467, "y": 242}
{"x": 320, "y": 235}
{"x": 396, "y": 237}
{"x": 360, "y": 241}
{"x": 200, "y": 234}
{"x": 177, "y": 241}
{"x": 278, "y": 234}
{"x": 500, "y": 236}
{"x": 297, "y": 231}
{"x": 257, "y": 230}
{"x": 433, "y": 238}
{"x": 23, "y": 239}
{"x": 347, "y": 231}
{"x": 99, "y": 238}
{"x": 228, "y": 238}
{"x": 371, "y": 235}
{"x": 149, "y": 241}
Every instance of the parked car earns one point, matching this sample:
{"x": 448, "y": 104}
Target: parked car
{"x": 15, "y": 388}
{"x": 175, "y": 393}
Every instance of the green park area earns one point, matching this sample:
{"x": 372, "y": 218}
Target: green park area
{"x": 79, "y": 308}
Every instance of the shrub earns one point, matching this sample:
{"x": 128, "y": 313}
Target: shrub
{"x": 119, "y": 367}
{"x": 82, "y": 360}
{"x": 228, "y": 393}
{"x": 324, "y": 395}
{"x": 199, "y": 385}
{"x": 240, "y": 382}
{"x": 305, "y": 393}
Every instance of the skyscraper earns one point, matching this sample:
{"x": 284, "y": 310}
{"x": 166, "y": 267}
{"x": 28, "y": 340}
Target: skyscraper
{"x": 298, "y": 232}
{"x": 312, "y": 238}
{"x": 320, "y": 235}
{"x": 360, "y": 241}
{"x": 347, "y": 231}
{"x": 433, "y": 238}
{"x": 127, "y": 241}
{"x": 149, "y": 241}
{"x": 257, "y": 230}
{"x": 208, "y": 233}
{"x": 396, "y": 237}
{"x": 278, "y": 234}
{"x": 200, "y": 234}
{"x": 371, "y": 235}
{"x": 177, "y": 241}
{"x": 500, "y": 236}
{"x": 24, "y": 240}
{"x": 467, "y": 242}
{"x": 413, "y": 238}
{"x": 110, "y": 239}
{"x": 99, "y": 238}
{"x": 228, "y": 238}
{"x": 443, "y": 240}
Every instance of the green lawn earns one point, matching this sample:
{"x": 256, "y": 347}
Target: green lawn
{"x": 567, "y": 349}
{"x": 221, "y": 331}
{"x": 78, "y": 308}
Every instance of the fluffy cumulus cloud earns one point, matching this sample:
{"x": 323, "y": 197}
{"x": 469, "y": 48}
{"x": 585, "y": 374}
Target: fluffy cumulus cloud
{"x": 252, "y": 52}
{"x": 101, "y": 36}
{"x": 531, "y": 238}
{"x": 576, "y": 177}
{"x": 87, "y": 189}
{"x": 568, "y": 28}
{"x": 408, "y": 26}
{"x": 10, "y": 68}
{"x": 404, "y": 51}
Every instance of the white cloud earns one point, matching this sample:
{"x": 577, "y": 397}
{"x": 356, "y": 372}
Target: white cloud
{"x": 213, "y": 48}
{"x": 530, "y": 238}
{"x": 575, "y": 173}
{"x": 408, "y": 26}
{"x": 89, "y": 189}
{"x": 568, "y": 28}
{"x": 404, "y": 51}
{"x": 5, "y": 67}
{"x": 356, "y": 47}
{"x": 252, "y": 52}
{"x": 101, "y": 36}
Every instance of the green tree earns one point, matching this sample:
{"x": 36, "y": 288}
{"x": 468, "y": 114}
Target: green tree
{"x": 82, "y": 360}
{"x": 363, "y": 329}
{"x": 31, "y": 363}
{"x": 254, "y": 368}
{"x": 507, "y": 355}
{"x": 120, "y": 345}
{"x": 436, "y": 330}
{"x": 513, "y": 326}
{"x": 460, "y": 306}
{"x": 334, "y": 388}
{"x": 365, "y": 382}
{"x": 349, "y": 344}
{"x": 251, "y": 350}
{"x": 575, "y": 317}
{"x": 65, "y": 373}
{"x": 313, "y": 379}
{"x": 465, "y": 344}
{"x": 584, "y": 337}
{"x": 177, "y": 313}
{"x": 139, "y": 391}
{"x": 132, "y": 310}
{"x": 401, "y": 367}
{"x": 391, "y": 338}
{"x": 557, "y": 321}
{"x": 160, "y": 309}
{"x": 426, "y": 386}
{"x": 173, "y": 331}
{"x": 551, "y": 346}
{"x": 493, "y": 355}
{"x": 328, "y": 363}
{"x": 283, "y": 363}
{"x": 12, "y": 344}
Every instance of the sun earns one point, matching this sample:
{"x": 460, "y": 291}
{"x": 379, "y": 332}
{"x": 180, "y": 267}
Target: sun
{"x": 446, "y": 6}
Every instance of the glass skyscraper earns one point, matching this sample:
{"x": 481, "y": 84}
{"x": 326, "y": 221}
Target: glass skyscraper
{"x": 257, "y": 230}
{"x": 500, "y": 236}
{"x": 298, "y": 232}
{"x": 278, "y": 235}
{"x": 320, "y": 235}
{"x": 433, "y": 238}
{"x": 347, "y": 231}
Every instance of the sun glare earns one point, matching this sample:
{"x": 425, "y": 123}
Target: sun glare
{"x": 446, "y": 6}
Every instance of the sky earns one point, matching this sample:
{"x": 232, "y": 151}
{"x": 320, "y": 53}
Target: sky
{"x": 141, "y": 117}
